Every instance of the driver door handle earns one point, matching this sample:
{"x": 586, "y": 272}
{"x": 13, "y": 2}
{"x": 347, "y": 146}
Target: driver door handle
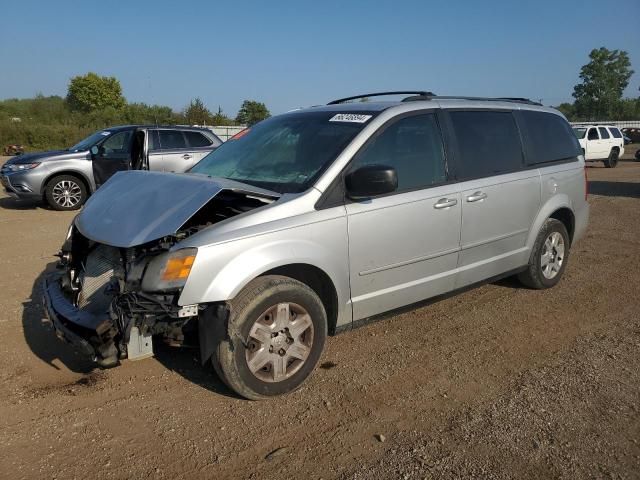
{"x": 186, "y": 156}
{"x": 476, "y": 197}
{"x": 445, "y": 203}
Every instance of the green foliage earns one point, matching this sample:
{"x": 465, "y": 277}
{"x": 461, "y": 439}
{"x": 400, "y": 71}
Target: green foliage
{"x": 197, "y": 114}
{"x": 94, "y": 103}
{"x": 568, "y": 110}
{"x": 252, "y": 112}
{"x": 604, "y": 79}
{"x": 92, "y": 92}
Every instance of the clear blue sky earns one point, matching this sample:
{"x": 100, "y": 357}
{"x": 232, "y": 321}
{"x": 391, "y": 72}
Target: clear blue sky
{"x": 299, "y": 53}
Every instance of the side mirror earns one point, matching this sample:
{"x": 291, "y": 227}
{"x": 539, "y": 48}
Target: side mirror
{"x": 371, "y": 181}
{"x": 94, "y": 150}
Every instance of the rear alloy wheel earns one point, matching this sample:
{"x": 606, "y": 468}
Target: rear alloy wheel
{"x": 612, "y": 161}
{"x": 549, "y": 256}
{"x": 276, "y": 331}
{"x": 65, "y": 192}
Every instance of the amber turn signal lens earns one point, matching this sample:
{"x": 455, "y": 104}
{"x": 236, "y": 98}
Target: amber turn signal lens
{"x": 178, "y": 268}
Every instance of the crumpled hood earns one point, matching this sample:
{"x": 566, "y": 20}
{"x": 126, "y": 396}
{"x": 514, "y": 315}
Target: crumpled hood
{"x": 45, "y": 156}
{"x": 137, "y": 207}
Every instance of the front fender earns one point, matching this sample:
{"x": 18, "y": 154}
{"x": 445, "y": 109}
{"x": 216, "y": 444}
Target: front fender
{"x": 220, "y": 271}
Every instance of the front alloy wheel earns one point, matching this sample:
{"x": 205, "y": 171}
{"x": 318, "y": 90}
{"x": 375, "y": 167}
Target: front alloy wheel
{"x": 279, "y": 342}
{"x": 274, "y": 337}
{"x": 65, "y": 192}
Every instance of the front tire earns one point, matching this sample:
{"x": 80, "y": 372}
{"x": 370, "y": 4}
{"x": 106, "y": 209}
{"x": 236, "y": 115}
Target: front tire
{"x": 612, "y": 161}
{"x": 65, "y": 192}
{"x": 549, "y": 256}
{"x": 275, "y": 335}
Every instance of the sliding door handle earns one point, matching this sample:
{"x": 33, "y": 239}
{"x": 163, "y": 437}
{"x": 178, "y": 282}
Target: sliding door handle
{"x": 476, "y": 197}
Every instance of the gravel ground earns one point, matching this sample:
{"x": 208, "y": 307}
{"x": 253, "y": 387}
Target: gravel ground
{"x": 497, "y": 382}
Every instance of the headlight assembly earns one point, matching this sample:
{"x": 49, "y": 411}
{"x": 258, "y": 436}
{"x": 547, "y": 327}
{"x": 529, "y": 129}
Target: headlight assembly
{"x": 169, "y": 271}
{"x": 19, "y": 167}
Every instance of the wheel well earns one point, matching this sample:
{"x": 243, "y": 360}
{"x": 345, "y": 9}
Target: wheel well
{"x": 616, "y": 149}
{"x": 71, "y": 173}
{"x": 319, "y": 282}
{"x": 565, "y": 216}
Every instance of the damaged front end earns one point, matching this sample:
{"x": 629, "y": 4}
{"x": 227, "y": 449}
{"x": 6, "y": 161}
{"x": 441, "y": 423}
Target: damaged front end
{"x": 110, "y": 299}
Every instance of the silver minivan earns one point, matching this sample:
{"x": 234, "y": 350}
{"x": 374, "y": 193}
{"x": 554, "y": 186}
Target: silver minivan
{"x": 315, "y": 221}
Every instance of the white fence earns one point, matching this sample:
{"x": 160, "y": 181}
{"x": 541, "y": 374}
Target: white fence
{"x": 617, "y": 123}
{"x": 225, "y": 132}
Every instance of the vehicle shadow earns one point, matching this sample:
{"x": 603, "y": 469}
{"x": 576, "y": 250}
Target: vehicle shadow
{"x": 11, "y": 203}
{"x": 185, "y": 361}
{"x": 614, "y": 189}
{"x": 40, "y": 336}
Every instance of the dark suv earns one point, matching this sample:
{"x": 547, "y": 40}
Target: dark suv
{"x": 65, "y": 178}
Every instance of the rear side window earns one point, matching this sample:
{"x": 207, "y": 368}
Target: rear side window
{"x": 615, "y": 132}
{"x": 488, "y": 143}
{"x": 154, "y": 143}
{"x": 593, "y": 134}
{"x": 603, "y": 132}
{"x": 171, "y": 139}
{"x": 411, "y": 145}
{"x": 197, "y": 139}
{"x": 548, "y": 137}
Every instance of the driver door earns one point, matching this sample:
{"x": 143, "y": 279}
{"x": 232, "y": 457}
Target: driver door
{"x": 114, "y": 155}
{"x": 403, "y": 247}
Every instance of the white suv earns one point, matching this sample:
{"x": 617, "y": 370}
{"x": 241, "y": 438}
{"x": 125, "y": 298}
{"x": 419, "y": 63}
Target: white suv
{"x": 600, "y": 143}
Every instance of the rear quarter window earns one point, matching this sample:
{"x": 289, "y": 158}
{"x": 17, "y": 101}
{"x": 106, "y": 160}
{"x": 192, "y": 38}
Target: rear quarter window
{"x": 615, "y": 132}
{"x": 197, "y": 139}
{"x": 548, "y": 137}
{"x": 488, "y": 143}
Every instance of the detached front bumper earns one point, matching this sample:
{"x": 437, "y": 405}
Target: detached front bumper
{"x": 91, "y": 334}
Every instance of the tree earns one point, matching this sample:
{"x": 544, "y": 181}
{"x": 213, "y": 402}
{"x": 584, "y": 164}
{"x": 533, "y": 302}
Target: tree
{"x": 568, "y": 110}
{"x": 91, "y": 92}
{"x": 252, "y": 112}
{"x": 197, "y": 114}
{"x": 604, "y": 79}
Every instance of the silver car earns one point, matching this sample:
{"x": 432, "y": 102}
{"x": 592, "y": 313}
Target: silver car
{"x": 66, "y": 178}
{"x": 315, "y": 221}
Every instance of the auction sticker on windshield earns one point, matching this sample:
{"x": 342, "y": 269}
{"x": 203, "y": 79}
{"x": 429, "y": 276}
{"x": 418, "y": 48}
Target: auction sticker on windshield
{"x": 350, "y": 117}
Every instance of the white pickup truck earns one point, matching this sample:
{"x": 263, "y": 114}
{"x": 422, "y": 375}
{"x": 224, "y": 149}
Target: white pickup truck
{"x": 600, "y": 143}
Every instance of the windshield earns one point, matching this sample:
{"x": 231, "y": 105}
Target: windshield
{"x": 579, "y": 131}
{"x": 89, "y": 142}
{"x": 286, "y": 153}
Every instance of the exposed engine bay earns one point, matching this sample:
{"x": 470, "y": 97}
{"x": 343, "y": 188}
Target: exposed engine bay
{"x": 117, "y": 313}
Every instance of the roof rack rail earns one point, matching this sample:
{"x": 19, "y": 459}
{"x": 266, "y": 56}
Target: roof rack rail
{"x": 380, "y": 94}
{"x": 485, "y": 99}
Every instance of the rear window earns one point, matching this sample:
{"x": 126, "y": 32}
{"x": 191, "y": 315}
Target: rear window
{"x": 603, "y": 133}
{"x": 548, "y": 137}
{"x": 197, "y": 139}
{"x": 171, "y": 139}
{"x": 488, "y": 143}
{"x": 615, "y": 132}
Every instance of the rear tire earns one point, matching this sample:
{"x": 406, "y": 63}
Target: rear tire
{"x": 612, "y": 161}
{"x": 549, "y": 256}
{"x": 65, "y": 192}
{"x": 275, "y": 335}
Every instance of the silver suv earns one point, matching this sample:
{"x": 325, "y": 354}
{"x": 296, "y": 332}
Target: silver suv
{"x": 317, "y": 220}
{"x": 65, "y": 178}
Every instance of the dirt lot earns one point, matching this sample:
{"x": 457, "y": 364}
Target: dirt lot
{"x": 498, "y": 382}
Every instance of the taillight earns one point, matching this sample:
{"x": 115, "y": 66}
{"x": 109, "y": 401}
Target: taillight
{"x": 586, "y": 184}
